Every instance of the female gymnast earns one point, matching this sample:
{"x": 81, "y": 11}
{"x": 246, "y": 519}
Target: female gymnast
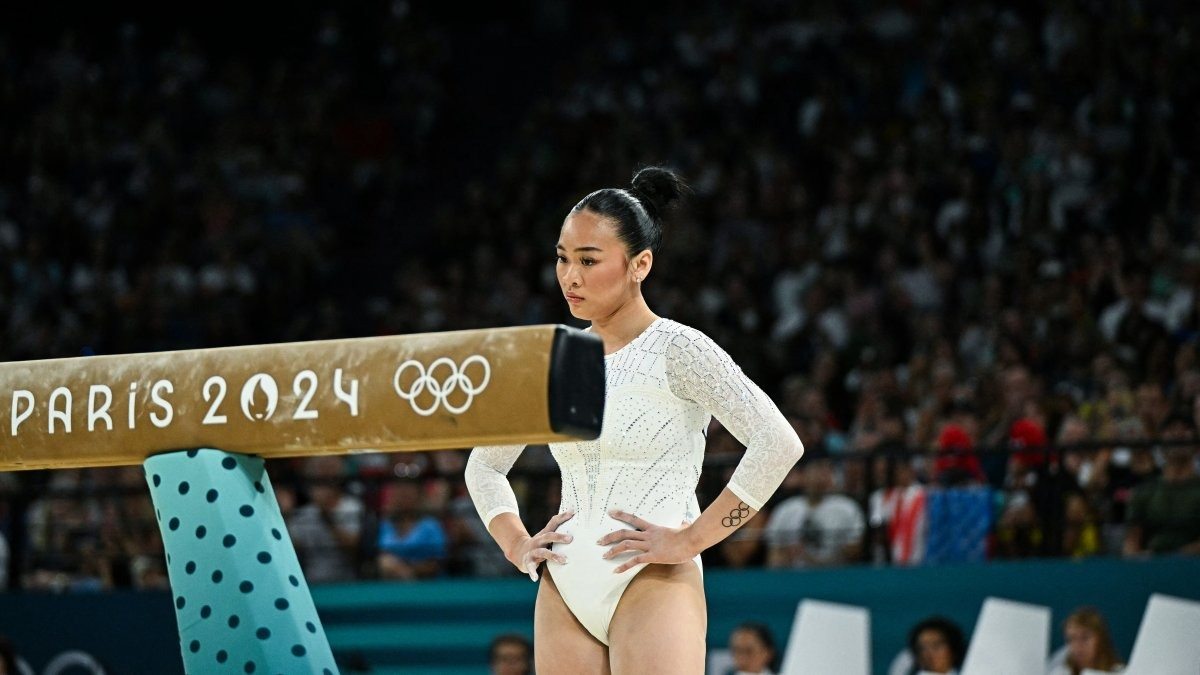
{"x": 622, "y": 590}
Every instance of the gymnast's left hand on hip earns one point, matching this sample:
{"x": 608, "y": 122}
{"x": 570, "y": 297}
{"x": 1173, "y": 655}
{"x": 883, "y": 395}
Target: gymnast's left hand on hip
{"x": 654, "y": 543}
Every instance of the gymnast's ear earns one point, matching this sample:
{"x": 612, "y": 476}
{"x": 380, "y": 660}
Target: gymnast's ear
{"x": 640, "y": 264}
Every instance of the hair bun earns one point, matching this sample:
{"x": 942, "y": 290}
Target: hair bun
{"x": 658, "y": 189}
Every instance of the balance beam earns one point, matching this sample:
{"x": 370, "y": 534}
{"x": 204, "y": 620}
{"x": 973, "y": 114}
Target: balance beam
{"x": 427, "y": 391}
{"x": 201, "y": 422}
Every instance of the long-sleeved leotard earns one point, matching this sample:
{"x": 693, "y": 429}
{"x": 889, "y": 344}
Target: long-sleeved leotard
{"x": 661, "y": 390}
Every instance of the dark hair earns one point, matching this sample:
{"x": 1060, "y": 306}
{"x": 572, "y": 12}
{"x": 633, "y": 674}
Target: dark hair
{"x": 509, "y": 638}
{"x": 8, "y": 655}
{"x": 638, "y": 211}
{"x": 1180, "y": 418}
{"x": 764, "y": 636}
{"x": 955, "y": 639}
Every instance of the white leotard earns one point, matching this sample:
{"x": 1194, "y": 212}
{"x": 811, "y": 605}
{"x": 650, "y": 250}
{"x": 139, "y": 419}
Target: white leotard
{"x": 661, "y": 390}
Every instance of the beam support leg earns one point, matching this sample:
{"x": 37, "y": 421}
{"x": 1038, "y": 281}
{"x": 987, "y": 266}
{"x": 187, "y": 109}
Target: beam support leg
{"x": 241, "y": 601}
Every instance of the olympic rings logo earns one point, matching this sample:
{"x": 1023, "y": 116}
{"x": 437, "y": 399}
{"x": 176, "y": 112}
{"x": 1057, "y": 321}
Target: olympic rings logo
{"x": 440, "y": 390}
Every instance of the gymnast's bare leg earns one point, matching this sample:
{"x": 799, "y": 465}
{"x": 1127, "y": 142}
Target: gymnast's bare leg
{"x": 660, "y": 623}
{"x": 561, "y": 645}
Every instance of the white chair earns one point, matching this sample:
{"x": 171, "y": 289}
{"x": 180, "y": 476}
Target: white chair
{"x": 828, "y": 639}
{"x": 901, "y": 663}
{"x": 1168, "y": 641}
{"x": 720, "y": 662}
{"x": 1011, "y": 638}
{"x": 1057, "y": 660}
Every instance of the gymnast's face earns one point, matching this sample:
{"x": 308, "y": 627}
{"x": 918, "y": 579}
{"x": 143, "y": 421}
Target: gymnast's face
{"x": 594, "y": 271}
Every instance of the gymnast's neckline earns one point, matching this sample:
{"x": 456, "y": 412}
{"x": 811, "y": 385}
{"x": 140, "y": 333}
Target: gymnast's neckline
{"x": 637, "y": 337}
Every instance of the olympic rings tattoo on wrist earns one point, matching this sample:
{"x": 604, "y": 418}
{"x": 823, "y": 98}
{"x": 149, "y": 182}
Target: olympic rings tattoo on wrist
{"x": 737, "y": 515}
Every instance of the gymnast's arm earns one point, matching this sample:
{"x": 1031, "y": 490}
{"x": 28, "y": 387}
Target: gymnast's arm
{"x": 487, "y": 481}
{"x": 699, "y": 370}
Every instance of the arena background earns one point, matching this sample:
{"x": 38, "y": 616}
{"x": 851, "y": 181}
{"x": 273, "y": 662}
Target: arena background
{"x": 957, "y": 238}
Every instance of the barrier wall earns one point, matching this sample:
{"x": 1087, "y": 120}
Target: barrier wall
{"x": 444, "y": 626}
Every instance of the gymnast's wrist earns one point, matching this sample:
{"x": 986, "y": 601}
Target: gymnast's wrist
{"x": 692, "y": 541}
{"x": 513, "y": 551}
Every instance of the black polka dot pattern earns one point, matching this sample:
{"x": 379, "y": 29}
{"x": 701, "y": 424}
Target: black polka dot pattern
{"x": 217, "y": 514}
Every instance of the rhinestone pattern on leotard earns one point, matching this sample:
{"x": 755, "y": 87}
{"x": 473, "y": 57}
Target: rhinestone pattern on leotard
{"x": 661, "y": 389}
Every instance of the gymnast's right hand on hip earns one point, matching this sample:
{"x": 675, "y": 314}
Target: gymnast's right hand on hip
{"x": 529, "y": 552}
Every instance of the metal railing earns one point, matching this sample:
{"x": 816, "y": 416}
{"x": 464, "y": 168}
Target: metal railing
{"x": 95, "y": 529}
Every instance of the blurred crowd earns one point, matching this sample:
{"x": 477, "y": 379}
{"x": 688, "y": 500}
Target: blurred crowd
{"x": 927, "y": 229}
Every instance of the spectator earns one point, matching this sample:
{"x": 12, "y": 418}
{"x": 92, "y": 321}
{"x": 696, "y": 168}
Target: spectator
{"x": 817, "y": 529}
{"x": 1032, "y": 520}
{"x": 753, "y": 649}
{"x": 149, "y": 573}
{"x": 1115, "y": 472}
{"x": 1079, "y": 462}
{"x": 8, "y": 657}
{"x": 1164, "y": 515}
{"x": 326, "y": 531}
{"x": 898, "y": 515}
{"x": 1089, "y": 645}
{"x": 1151, "y": 405}
{"x": 956, "y": 463}
{"x": 412, "y": 544}
{"x": 471, "y": 549}
{"x": 960, "y": 522}
{"x": 1081, "y": 528}
{"x": 510, "y": 654}
{"x": 1087, "y": 512}
{"x": 890, "y": 437}
{"x": 1129, "y": 467}
{"x": 935, "y": 645}
{"x": 1136, "y": 322}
